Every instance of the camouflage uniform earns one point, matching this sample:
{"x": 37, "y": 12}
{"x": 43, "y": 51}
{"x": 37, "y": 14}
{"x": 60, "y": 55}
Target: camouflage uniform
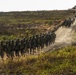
{"x": 12, "y": 48}
{"x": 22, "y": 47}
{"x": 17, "y": 47}
{"x": 2, "y": 49}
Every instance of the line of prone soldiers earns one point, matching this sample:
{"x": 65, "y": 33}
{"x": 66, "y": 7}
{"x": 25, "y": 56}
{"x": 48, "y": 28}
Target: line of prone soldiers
{"x": 68, "y": 22}
{"x": 21, "y": 46}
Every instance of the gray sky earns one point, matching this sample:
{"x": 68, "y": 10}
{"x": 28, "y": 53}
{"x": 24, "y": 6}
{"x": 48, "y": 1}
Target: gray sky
{"x": 23, "y": 5}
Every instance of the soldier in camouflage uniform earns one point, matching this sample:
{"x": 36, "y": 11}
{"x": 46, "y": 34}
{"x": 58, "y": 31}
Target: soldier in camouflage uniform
{"x": 37, "y": 41}
{"x": 42, "y": 40}
{"x": 12, "y": 48}
{"x": 2, "y": 49}
{"x": 22, "y": 47}
{"x": 30, "y": 44}
{"x": 53, "y": 37}
{"x": 8, "y": 48}
{"x": 69, "y": 22}
{"x": 27, "y": 45}
{"x": 64, "y": 23}
{"x": 47, "y": 39}
{"x": 17, "y": 47}
{"x": 33, "y": 43}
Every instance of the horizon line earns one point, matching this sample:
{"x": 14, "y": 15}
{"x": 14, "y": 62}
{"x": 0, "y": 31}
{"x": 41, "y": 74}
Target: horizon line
{"x": 35, "y": 10}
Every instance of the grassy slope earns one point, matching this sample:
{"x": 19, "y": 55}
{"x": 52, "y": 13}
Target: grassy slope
{"x": 60, "y": 62}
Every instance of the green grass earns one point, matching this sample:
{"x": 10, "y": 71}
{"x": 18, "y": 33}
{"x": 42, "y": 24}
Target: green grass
{"x": 60, "y": 62}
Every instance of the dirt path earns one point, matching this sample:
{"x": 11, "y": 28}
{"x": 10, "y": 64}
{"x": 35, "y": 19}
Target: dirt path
{"x": 65, "y": 34}
{"x": 63, "y": 38}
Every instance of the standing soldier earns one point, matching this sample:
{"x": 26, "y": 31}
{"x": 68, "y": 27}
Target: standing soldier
{"x": 22, "y": 47}
{"x": 27, "y": 45}
{"x": 42, "y": 40}
{"x": 17, "y": 47}
{"x": 64, "y": 23}
{"x": 33, "y": 43}
{"x": 53, "y": 37}
{"x": 69, "y": 22}
{"x": 30, "y": 44}
{"x": 37, "y": 41}
{"x": 12, "y": 49}
{"x": 46, "y": 39}
{"x": 8, "y": 48}
{"x": 50, "y": 35}
{"x": 2, "y": 49}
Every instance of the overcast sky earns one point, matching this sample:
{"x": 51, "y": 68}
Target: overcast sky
{"x": 23, "y": 5}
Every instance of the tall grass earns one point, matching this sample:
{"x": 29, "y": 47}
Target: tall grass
{"x": 60, "y": 62}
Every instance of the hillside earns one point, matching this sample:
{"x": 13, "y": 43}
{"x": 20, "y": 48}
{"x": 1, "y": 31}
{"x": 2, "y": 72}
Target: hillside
{"x": 19, "y": 24}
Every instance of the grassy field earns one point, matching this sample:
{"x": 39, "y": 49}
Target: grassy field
{"x": 59, "y": 62}
{"x": 15, "y": 25}
{"x": 21, "y": 24}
